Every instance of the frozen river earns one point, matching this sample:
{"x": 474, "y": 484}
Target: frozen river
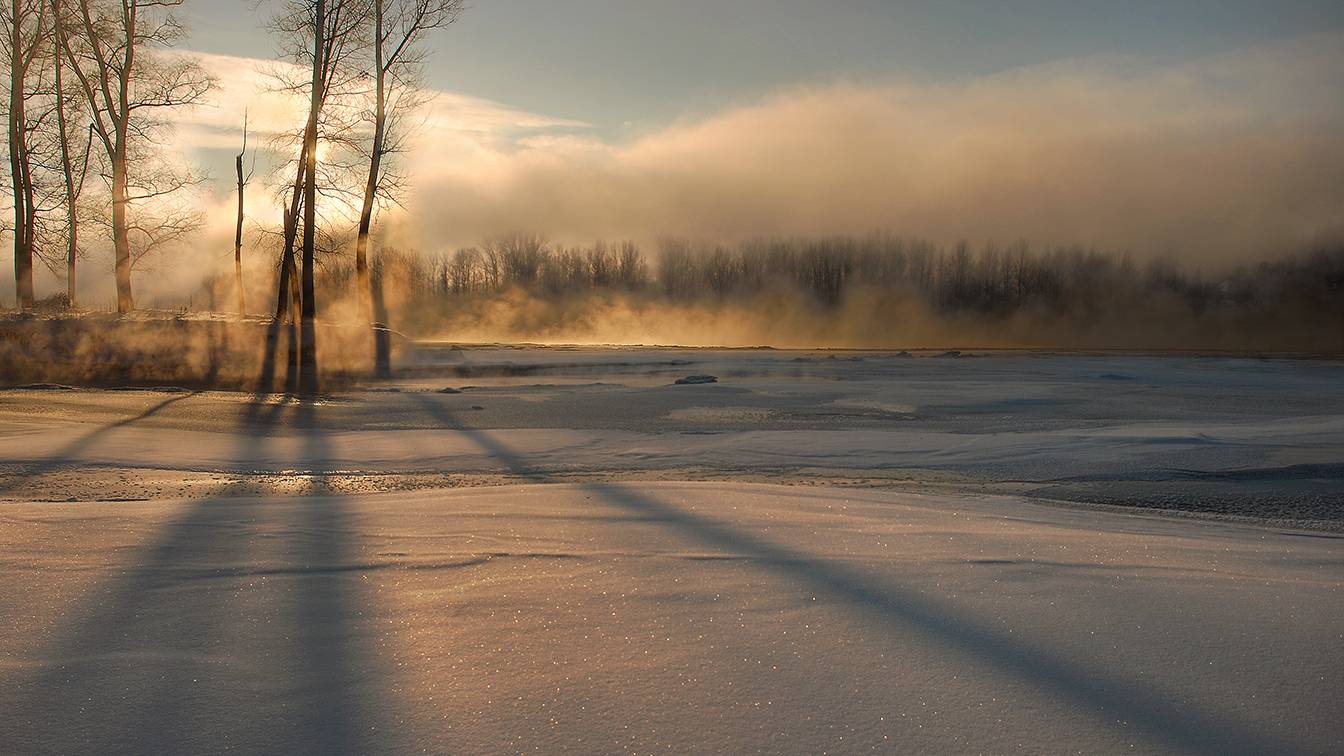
{"x": 1220, "y": 436}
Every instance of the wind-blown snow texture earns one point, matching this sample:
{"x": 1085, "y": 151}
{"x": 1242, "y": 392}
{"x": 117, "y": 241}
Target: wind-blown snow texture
{"x": 239, "y": 573}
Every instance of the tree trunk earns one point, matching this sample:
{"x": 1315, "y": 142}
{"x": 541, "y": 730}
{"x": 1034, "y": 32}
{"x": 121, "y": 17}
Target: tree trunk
{"x": 364, "y": 283}
{"x": 362, "y": 280}
{"x": 18, "y": 166}
{"x": 121, "y": 240}
{"x": 70, "y": 253}
{"x": 287, "y": 269}
{"x": 71, "y": 193}
{"x": 286, "y": 296}
{"x": 238, "y": 234}
{"x": 293, "y": 370}
{"x": 308, "y": 381}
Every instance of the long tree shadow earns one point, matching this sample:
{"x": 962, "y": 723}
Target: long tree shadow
{"x": 347, "y": 715}
{"x": 68, "y": 455}
{"x": 1109, "y": 697}
{"x": 189, "y": 650}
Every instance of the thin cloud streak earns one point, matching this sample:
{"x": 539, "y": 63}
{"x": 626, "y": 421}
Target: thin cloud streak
{"x": 248, "y": 84}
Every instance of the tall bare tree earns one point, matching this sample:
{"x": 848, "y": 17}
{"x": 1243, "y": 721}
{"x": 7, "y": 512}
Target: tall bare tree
{"x": 327, "y": 35}
{"x": 238, "y": 230}
{"x": 322, "y": 47}
{"x": 398, "y": 27}
{"x": 26, "y": 26}
{"x": 125, "y": 80}
{"x": 74, "y": 176}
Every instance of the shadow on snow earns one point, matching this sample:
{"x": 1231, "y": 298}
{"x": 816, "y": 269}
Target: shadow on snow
{"x": 190, "y": 650}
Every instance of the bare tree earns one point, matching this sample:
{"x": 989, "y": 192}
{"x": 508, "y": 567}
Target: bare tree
{"x": 322, "y": 46}
{"x": 398, "y": 27}
{"x": 327, "y": 35}
{"x": 238, "y": 231}
{"x": 73, "y": 178}
{"x": 26, "y": 27}
{"x": 124, "y": 83}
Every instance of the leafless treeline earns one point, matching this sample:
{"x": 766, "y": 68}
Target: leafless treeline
{"x": 89, "y": 81}
{"x": 992, "y": 281}
{"x": 529, "y": 262}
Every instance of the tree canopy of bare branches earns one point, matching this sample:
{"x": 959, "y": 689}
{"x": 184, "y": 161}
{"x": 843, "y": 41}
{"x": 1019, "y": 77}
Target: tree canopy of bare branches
{"x": 398, "y": 27}
{"x": 127, "y": 81}
{"x": 328, "y": 36}
{"x": 74, "y": 165}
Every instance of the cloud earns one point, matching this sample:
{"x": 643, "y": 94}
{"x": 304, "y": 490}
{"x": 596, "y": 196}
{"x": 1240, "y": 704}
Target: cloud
{"x": 1225, "y": 157}
{"x": 452, "y": 129}
{"x": 249, "y": 85}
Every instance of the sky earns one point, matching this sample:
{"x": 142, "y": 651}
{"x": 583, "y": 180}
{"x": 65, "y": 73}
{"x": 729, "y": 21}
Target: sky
{"x": 1206, "y": 131}
{"x": 649, "y": 63}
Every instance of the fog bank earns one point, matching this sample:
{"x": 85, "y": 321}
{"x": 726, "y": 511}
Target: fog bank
{"x": 1223, "y": 158}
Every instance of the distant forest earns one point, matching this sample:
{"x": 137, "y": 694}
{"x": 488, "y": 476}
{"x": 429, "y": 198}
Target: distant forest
{"x": 1060, "y": 296}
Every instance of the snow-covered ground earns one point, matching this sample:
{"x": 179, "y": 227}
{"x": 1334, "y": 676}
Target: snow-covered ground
{"x": 823, "y": 552}
{"x": 1222, "y": 436}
